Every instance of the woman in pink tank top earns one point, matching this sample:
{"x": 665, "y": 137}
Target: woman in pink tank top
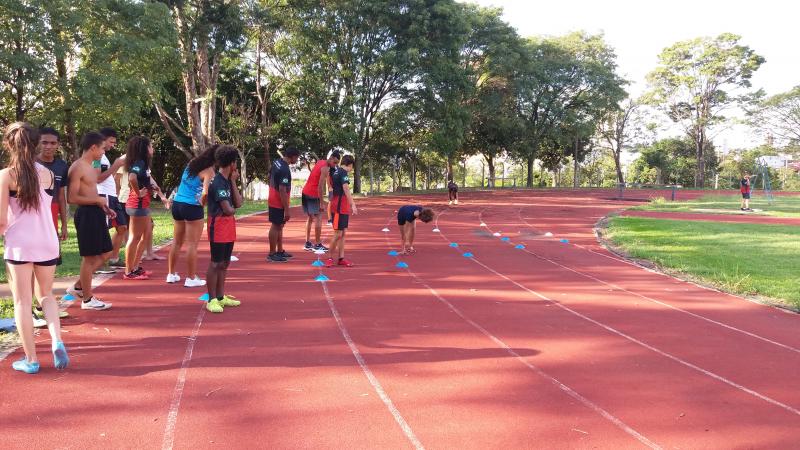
{"x": 31, "y": 243}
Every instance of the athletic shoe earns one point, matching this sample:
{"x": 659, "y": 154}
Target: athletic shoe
{"x": 309, "y": 247}
{"x": 39, "y": 323}
{"x": 60, "y": 357}
{"x": 451, "y": 202}
{"x": 234, "y": 259}
{"x": 214, "y": 306}
{"x": 24, "y": 366}
{"x": 455, "y": 201}
{"x": 285, "y": 255}
{"x": 321, "y": 247}
{"x": 275, "y": 257}
{"x": 194, "y": 282}
{"x": 95, "y": 304}
{"x": 116, "y": 263}
{"x": 140, "y": 271}
{"x": 329, "y": 262}
{"x": 174, "y": 278}
{"x": 75, "y": 292}
{"x": 135, "y": 276}
{"x": 344, "y": 262}
{"x": 230, "y": 300}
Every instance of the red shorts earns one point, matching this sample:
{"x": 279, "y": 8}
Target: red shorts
{"x": 54, "y": 209}
{"x": 221, "y": 229}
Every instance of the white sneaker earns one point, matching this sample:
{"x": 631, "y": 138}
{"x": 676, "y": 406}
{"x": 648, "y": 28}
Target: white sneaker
{"x": 233, "y": 259}
{"x": 194, "y": 282}
{"x": 456, "y": 201}
{"x": 77, "y": 293}
{"x": 39, "y": 323}
{"x": 173, "y": 278}
{"x": 451, "y": 202}
{"x": 95, "y": 304}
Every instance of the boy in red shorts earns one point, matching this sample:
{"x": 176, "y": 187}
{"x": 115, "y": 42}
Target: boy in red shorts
{"x": 342, "y": 205}
{"x": 223, "y": 199}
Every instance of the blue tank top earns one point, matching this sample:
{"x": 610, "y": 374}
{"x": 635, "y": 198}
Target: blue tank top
{"x": 190, "y": 189}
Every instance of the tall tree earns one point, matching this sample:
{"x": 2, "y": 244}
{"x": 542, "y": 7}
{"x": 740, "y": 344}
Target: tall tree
{"x": 779, "y": 115}
{"x": 618, "y": 129}
{"x": 697, "y": 80}
{"x": 206, "y": 31}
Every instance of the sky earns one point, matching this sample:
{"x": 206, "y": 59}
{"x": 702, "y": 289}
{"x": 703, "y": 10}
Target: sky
{"x": 640, "y": 30}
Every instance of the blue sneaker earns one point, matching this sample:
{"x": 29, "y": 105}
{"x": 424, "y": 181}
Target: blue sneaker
{"x": 60, "y": 358}
{"x": 24, "y": 366}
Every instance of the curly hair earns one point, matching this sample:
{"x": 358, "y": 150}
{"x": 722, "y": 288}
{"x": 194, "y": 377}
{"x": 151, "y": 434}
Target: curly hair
{"x": 138, "y": 149}
{"x": 203, "y": 161}
{"x": 426, "y": 215}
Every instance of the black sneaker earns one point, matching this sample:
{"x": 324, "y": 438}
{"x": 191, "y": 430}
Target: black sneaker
{"x": 309, "y": 247}
{"x": 276, "y": 258}
{"x": 116, "y": 264}
{"x": 285, "y": 255}
{"x": 321, "y": 247}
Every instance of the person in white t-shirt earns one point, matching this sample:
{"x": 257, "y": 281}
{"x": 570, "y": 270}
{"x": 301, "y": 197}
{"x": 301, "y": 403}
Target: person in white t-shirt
{"x": 107, "y": 187}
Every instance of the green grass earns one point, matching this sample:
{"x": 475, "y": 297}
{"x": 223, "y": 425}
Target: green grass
{"x": 749, "y": 259}
{"x": 6, "y": 308}
{"x": 161, "y": 234}
{"x": 782, "y": 206}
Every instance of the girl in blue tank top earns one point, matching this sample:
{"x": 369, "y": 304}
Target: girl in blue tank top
{"x": 187, "y": 211}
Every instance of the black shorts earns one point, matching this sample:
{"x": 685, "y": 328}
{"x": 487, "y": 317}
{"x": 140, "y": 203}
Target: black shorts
{"x": 186, "y": 212}
{"x": 221, "y": 252}
{"x": 310, "y": 205}
{"x": 452, "y": 190}
{"x": 746, "y": 195}
{"x": 276, "y": 216}
{"x": 122, "y": 217}
{"x": 92, "y": 231}
{"x": 341, "y": 221}
{"x": 52, "y": 262}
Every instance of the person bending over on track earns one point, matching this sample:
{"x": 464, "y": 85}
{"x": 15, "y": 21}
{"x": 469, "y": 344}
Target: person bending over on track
{"x": 187, "y": 213}
{"x": 744, "y": 184}
{"x": 91, "y": 227}
{"x": 407, "y": 219}
{"x": 31, "y": 242}
{"x": 314, "y": 191}
{"x": 280, "y": 189}
{"x": 342, "y": 205}
{"x": 452, "y": 191}
{"x": 223, "y": 200}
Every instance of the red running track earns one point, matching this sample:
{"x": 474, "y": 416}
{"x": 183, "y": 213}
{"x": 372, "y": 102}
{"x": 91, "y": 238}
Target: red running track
{"x": 557, "y": 345}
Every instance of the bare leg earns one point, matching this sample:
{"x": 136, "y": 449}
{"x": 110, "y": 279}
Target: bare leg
{"x": 194, "y": 230}
{"x": 222, "y": 275}
{"x": 318, "y": 228}
{"x": 403, "y": 239}
{"x": 44, "y": 292}
{"x": 309, "y": 219}
{"x": 280, "y": 238}
{"x": 335, "y": 242}
{"x": 88, "y": 265}
{"x": 212, "y": 277}
{"x": 133, "y": 252}
{"x": 273, "y": 238}
{"x": 412, "y": 231}
{"x": 20, "y": 276}
{"x": 341, "y": 244}
{"x": 178, "y": 234}
{"x": 120, "y": 236}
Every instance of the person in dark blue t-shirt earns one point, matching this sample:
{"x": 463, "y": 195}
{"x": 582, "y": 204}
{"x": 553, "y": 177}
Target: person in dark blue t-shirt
{"x": 407, "y": 220}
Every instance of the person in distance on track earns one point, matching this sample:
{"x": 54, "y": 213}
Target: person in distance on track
{"x": 452, "y": 192}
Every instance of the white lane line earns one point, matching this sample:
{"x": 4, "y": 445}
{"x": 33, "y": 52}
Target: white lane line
{"x": 177, "y": 393}
{"x": 643, "y": 344}
{"x": 659, "y": 302}
{"x": 376, "y": 385}
{"x": 563, "y": 387}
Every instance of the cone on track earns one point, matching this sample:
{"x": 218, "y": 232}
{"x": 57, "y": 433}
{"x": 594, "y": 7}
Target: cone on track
{"x": 234, "y": 258}
{"x": 505, "y": 239}
{"x": 203, "y": 298}
{"x": 435, "y": 230}
{"x": 453, "y": 244}
{"x": 496, "y": 234}
{"x": 393, "y": 253}
{"x": 68, "y": 298}
{"x": 549, "y": 234}
{"x": 519, "y": 246}
{"x": 385, "y": 230}
{"x": 318, "y": 263}
{"x": 322, "y": 277}
{"x": 401, "y": 265}
{"x": 483, "y": 224}
{"x": 564, "y": 241}
{"x": 468, "y": 255}
{"x": 319, "y": 252}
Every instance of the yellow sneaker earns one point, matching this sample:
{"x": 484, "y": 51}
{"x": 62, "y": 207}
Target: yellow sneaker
{"x": 230, "y": 300}
{"x": 214, "y": 306}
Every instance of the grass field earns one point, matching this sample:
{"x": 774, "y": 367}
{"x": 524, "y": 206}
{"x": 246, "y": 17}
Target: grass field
{"x": 750, "y": 259}
{"x": 782, "y": 206}
{"x": 161, "y": 234}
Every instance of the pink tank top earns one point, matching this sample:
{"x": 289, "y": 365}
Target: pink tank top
{"x": 30, "y": 236}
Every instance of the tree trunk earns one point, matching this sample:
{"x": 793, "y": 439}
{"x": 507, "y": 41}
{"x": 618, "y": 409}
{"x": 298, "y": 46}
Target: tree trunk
{"x": 69, "y": 119}
{"x": 243, "y": 170}
{"x": 699, "y": 176}
{"x": 413, "y": 173}
{"x": 575, "y": 166}
{"x": 618, "y": 166}
{"x": 464, "y": 175}
{"x": 371, "y": 178}
{"x": 450, "y": 174}
{"x": 195, "y": 125}
{"x": 529, "y": 165}
{"x": 490, "y": 163}
{"x": 357, "y": 175}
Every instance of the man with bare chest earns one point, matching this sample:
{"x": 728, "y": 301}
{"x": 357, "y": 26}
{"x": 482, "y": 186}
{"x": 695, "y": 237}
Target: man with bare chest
{"x": 94, "y": 241}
